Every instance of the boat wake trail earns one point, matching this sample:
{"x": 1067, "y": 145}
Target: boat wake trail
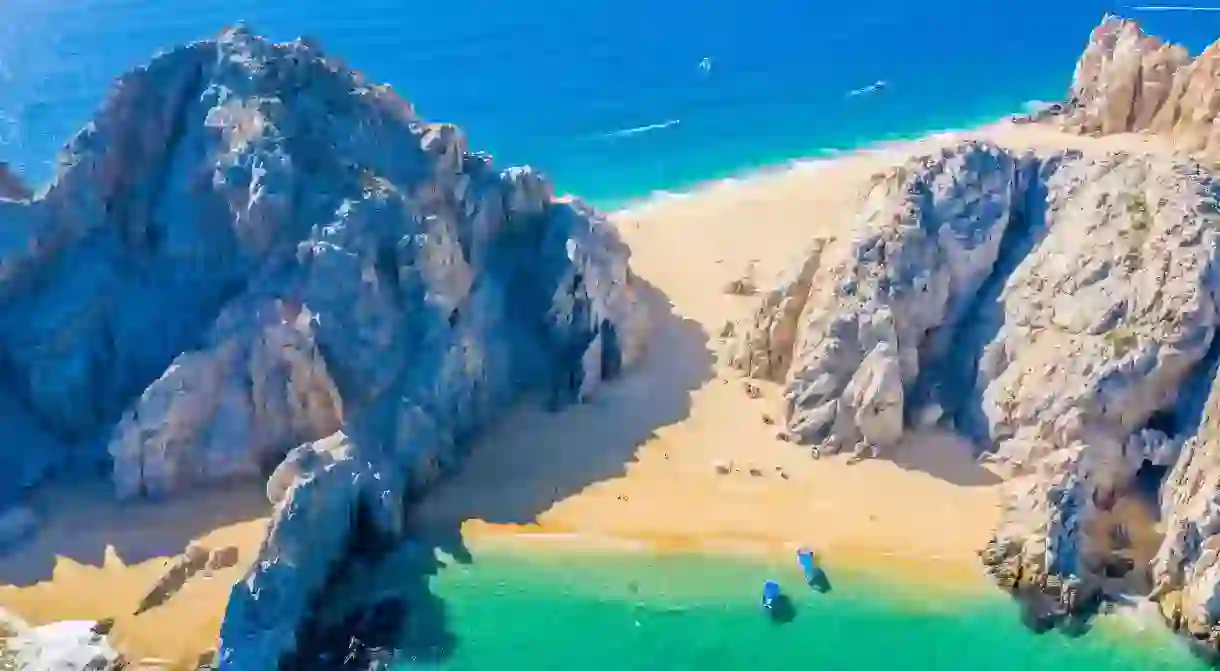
{"x": 636, "y": 130}
{"x": 875, "y": 87}
{"x": 1173, "y": 8}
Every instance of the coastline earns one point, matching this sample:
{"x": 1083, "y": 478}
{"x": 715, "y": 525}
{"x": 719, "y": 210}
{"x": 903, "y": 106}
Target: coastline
{"x": 779, "y": 163}
{"x": 688, "y": 611}
{"x": 650, "y": 441}
{"x": 997, "y": 128}
{"x": 929, "y": 581}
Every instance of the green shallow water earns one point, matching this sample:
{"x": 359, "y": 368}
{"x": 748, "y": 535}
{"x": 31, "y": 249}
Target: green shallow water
{"x": 590, "y": 612}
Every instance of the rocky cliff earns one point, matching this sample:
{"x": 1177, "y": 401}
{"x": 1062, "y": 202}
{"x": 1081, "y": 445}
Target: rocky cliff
{"x": 1126, "y": 81}
{"x": 253, "y": 261}
{"x": 1058, "y": 309}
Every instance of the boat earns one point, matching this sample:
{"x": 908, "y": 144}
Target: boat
{"x": 815, "y": 577}
{"x": 804, "y": 559}
{"x": 771, "y": 594}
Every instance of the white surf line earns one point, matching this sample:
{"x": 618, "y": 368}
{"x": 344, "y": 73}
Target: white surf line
{"x": 1173, "y": 8}
{"x": 636, "y": 130}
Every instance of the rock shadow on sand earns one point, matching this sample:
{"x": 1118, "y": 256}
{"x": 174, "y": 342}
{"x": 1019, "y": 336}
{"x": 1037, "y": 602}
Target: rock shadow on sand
{"x": 534, "y": 458}
{"x": 522, "y": 466}
{"x": 943, "y": 455}
{"x": 80, "y": 521}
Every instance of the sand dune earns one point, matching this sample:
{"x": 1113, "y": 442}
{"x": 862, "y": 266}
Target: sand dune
{"x": 636, "y": 463}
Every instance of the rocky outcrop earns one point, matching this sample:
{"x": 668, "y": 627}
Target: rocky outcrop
{"x": 79, "y": 645}
{"x": 253, "y": 261}
{"x": 1059, "y": 310}
{"x": 1127, "y": 81}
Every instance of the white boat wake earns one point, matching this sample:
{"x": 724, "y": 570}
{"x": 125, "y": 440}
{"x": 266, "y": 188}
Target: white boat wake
{"x": 1173, "y": 8}
{"x": 876, "y": 86}
{"x": 636, "y": 130}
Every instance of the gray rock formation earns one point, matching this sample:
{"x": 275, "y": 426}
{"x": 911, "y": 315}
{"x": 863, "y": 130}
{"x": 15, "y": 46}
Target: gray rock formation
{"x": 252, "y": 253}
{"x": 1056, "y": 309}
{"x": 1127, "y": 81}
{"x": 1060, "y": 310}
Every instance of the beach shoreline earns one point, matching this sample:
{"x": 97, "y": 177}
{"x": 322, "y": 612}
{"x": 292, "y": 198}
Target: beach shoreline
{"x": 637, "y": 466}
{"x": 928, "y": 579}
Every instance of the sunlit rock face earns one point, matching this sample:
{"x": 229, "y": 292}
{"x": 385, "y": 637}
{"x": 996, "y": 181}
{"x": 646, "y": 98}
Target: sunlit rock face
{"x": 1060, "y": 311}
{"x": 254, "y": 262}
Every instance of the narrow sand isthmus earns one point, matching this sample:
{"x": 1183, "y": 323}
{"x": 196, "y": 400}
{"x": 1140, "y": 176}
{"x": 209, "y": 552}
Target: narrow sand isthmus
{"x": 637, "y": 463}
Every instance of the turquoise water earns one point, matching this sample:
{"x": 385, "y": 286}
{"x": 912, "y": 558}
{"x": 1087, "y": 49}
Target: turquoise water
{"x": 550, "y": 82}
{"x": 561, "y": 612}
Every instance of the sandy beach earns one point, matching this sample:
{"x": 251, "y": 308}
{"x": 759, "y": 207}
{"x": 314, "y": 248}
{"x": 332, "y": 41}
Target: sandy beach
{"x": 637, "y": 463}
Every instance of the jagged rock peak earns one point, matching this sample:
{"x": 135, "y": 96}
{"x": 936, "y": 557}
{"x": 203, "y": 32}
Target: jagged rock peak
{"x": 1123, "y": 79}
{"x": 1127, "y": 81}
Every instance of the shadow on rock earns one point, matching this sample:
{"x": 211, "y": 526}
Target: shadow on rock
{"x": 383, "y": 607}
{"x": 982, "y": 322}
{"x": 378, "y": 612}
{"x": 1040, "y": 614}
{"x": 533, "y": 459}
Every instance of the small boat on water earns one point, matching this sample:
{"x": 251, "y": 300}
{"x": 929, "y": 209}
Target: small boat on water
{"x": 804, "y": 558}
{"x": 771, "y": 594}
{"x": 815, "y": 577}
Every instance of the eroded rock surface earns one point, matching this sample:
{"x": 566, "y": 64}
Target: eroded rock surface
{"x": 1127, "y": 81}
{"x": 253, "y": 261}
{"x": 1057, "y": 309}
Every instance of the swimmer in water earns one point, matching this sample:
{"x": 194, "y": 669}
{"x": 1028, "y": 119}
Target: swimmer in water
{"x": 705, "y": 65}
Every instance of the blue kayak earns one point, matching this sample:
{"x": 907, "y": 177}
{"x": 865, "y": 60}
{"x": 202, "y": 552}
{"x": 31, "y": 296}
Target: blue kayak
{"x": 771, "y": 593}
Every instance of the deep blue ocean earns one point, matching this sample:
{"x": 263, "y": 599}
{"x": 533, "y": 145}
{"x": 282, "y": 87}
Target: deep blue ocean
{"x": 610, "y": 99}
{"x": 556, "y": 82}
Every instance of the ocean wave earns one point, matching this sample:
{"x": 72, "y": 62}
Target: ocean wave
{"x": 636, "y": 130}
{"x": 659, "y": 197}
{"x": 821, "y": 159}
